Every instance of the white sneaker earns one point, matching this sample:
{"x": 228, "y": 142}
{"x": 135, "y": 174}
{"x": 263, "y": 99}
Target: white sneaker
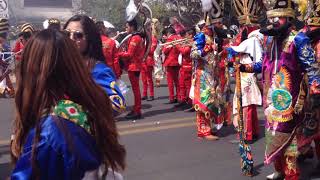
{"x": 275, "y": 176}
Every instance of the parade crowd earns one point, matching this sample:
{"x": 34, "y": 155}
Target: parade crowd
{"x": 69, "y": 89}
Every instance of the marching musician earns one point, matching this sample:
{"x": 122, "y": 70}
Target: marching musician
{"x": 148, "y": 65}
{"x": 172, "y": 66}
{"x": 109, "y": 49}
{"x": 133, "y": 57}
{"x": 186, "y": 70}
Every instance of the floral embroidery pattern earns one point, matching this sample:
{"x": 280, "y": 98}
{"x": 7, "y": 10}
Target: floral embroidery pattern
{"x": 72, "y": 112}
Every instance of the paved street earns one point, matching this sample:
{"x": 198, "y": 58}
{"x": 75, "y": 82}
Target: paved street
{"x": 163, "y": 146}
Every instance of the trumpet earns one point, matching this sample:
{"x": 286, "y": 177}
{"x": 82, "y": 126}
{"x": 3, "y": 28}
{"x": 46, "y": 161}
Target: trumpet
{"x": 185, "y": 41}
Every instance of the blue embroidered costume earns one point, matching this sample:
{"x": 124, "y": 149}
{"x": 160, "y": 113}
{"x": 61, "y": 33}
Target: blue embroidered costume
{"x": 104, "y": 76}
{"x": 65, "y": 150}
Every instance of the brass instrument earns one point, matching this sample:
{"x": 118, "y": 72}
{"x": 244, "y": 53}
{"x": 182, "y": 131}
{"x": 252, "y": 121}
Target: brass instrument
{"x": 185, "y": 41}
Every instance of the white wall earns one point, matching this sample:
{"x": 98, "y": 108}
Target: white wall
{"x": 18, "y": 12}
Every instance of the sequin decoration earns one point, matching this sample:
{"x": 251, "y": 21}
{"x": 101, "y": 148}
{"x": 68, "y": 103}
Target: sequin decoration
{"x": 281, "y": 99}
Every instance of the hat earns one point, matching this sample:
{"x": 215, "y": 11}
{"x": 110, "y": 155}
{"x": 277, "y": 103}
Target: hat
{"x": 27, "y": 27}
{"x": 280, "y": 8}
{"x": 4, "y": 27}
{"x": 51, "y": 22}
{"x": 248, "y": 11}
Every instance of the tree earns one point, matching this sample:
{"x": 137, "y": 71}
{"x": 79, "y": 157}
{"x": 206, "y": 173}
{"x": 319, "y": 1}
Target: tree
{"x": 189, "y": 11}
{"x": 109, "y": 10}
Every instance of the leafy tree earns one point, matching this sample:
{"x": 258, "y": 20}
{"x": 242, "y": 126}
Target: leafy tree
{"x": 109, "y": 10}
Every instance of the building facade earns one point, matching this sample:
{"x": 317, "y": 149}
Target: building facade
{"x": 37, "y": 11}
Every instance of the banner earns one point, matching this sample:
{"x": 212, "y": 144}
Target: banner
{"x": 4, "y": 9}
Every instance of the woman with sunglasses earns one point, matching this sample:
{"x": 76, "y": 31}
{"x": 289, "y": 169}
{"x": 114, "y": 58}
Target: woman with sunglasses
{"x": 83, "y": 31}
{"x": 64, "y": 127}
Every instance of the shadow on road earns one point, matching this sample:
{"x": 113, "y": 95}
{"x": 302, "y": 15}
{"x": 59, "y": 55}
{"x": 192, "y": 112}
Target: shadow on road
{"x": 226, "y": 131}
{"x": 4, "y": 150}
{"x": 157, "y": 112}
{"x": 163, "y": 97}
{"x": 5, "y": 170}
{"x": 143, "y": 106}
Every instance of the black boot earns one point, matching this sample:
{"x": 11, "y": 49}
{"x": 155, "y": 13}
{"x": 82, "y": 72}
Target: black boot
{"x": 144, "y": 98}
{"x": 151, "y": 98}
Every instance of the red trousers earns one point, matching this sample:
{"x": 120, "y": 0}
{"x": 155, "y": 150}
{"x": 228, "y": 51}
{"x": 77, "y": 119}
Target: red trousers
{"x": 185, "y": 84}
{"x": 134, "y": 80}
{"x": 251, "y": 122}
{"x": 147, "y": 81}
{"x": 288, "y": 166}
{"x": 203, "y": 125}
{"x": 173, "y": 80}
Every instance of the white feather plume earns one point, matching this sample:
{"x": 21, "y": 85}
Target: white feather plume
{"x": 206, "y": 5}
{"x": 131, "y": 11}
{"x": 46, "y": 24}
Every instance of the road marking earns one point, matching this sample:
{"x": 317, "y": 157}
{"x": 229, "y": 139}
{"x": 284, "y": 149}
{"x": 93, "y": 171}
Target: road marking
{"x": 137, "y": 124}
{"x": 137, "y": 128}
{"x": 154, "y": 129}
{"x": 4, "y": 142}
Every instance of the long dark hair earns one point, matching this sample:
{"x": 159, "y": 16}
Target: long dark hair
{"x": 94, "y": 48}
{"x": 51, "y": 70}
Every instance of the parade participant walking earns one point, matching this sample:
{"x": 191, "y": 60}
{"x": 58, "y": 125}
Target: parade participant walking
{"x": 288, "y": 57}
{"x": 310, "y": 131}
{"x": 133, "y": 59}
{"x": 109, "y": 49}
{"x": 83, "y": 31}
{"x": 208, "y": 83}
{"x": 147, "y": 71}
{"x": 64, "y": 127}
{"x": 171, "y": 64}
{"x": 186, "y": 70}
{"x": 249, "y": 51}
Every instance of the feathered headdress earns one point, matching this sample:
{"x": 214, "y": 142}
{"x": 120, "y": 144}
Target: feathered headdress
{"x": 309, "y": 11}
{"x": 248, "y": 10}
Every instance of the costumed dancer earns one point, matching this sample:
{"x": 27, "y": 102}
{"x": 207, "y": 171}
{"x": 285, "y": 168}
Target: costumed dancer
{"x": 249, "y": 51}
{"x": 287, "y": 58}
{"x": 171, "y": 64}
{"x": 6, "y": 86}
{"x": 149, "y": 64}
{"x": 310, "y": 131}
{"x": 186, "y": 70}
{"x": 109, "y": 50}
{"x": 207, "y": 82}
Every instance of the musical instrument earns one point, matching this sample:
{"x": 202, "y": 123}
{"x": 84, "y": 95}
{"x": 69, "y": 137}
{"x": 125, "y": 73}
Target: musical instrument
{"x": 185, "y": 41}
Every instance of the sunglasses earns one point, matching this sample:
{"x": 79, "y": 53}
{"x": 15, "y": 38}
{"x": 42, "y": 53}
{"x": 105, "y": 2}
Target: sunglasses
{"x": 76, "y": 35}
